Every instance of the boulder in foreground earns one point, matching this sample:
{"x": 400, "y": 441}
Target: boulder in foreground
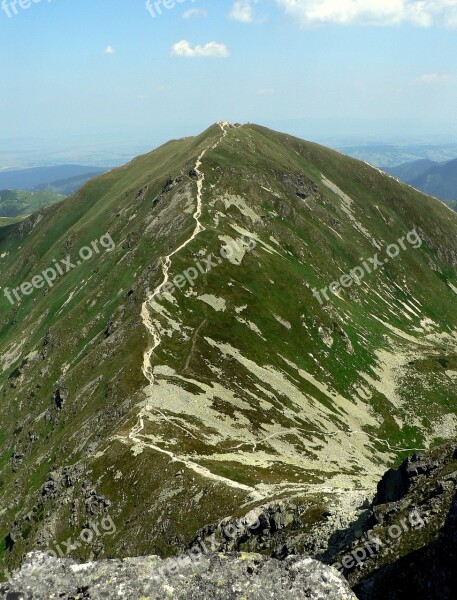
{"x": 218, "y": 576}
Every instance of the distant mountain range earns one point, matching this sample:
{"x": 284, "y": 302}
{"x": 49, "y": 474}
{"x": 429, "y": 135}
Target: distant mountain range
{"x": 63, "y": 179}
{"x": 432, "y": 178}
{"x": 388, "y": 156}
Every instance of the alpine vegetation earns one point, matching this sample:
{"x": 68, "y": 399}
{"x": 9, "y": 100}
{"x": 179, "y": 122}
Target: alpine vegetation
{"x": 204, "y": 265}
{"x": 50, "y": 275}
{"x": 368, "y": 266}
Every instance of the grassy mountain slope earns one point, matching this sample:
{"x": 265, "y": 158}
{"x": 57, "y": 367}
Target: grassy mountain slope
{"x": 173, "y": 412}
{"x": 4, "y": 221}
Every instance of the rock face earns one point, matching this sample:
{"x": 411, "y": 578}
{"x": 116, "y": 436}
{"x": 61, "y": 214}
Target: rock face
{"x": 276, "y": 529}
{"x": 289, "y": 527}
{"x": 426, "y": 574}
{"x": 396, "y": 483}
{"x": 409, "y": 544}
{"x": 222, "y": 577}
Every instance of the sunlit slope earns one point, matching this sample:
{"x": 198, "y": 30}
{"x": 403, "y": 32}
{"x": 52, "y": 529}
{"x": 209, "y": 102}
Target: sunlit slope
{"x": 251, "y": 389}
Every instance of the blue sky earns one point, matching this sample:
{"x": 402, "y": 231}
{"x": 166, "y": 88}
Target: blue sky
{"x": 107, "y": 70}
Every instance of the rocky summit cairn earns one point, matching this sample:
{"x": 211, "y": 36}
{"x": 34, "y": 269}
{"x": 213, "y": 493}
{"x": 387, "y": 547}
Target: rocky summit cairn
{"x": 217, "y": 576}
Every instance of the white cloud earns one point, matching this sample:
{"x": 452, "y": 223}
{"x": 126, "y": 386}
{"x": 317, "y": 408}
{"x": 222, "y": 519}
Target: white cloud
{"x": 430, "y": 78}
{"x": 213, "y": 49}
{"x": 194, "y": 13}
{"x": 243, "y": 11}
{"x": 423, "y": 13}
{"x": 109, "y": 50}
{"x": 266, "y": 91}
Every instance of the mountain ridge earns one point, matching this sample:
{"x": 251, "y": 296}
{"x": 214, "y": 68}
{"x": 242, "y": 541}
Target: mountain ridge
{"x": 259, "y": 391}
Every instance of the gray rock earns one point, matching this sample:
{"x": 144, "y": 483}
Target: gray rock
{"x": 426, "y": 574}
{"x": 408, "y": 546}
{"x": 205, "y": 577}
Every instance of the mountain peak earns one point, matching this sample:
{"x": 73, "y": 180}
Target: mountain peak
{"x": 238, "y": 316}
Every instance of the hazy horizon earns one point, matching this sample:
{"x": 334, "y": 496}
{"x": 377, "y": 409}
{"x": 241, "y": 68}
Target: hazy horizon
{"x": 115, "y": 149}
{"x": 335, "y": 73}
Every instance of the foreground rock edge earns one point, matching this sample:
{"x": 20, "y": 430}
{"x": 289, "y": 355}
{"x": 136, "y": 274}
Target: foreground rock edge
{"x": 222, "y": 576}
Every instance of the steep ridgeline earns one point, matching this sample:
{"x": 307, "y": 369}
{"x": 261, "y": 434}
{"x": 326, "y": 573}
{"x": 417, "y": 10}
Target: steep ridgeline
{"x": 195, "y": 363}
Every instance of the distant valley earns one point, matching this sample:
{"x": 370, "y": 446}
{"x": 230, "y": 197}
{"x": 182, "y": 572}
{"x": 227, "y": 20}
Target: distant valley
{"x": 17, "y": 203}
{"x": 26, "y": 191}
{"x": 48, "y": 177}
{"x": 387, "y": 156}
{"x": 429, "y": 168}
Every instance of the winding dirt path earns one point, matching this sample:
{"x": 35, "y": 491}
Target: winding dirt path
{"x": 135, "y": 434}
{"x": 166, "y": 261}
{"x": 193, "y": 466}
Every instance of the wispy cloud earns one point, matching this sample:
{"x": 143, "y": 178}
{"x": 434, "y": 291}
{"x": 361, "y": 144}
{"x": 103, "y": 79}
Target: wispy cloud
{"x": 266, "y": 91}
{"x": 422, "y": 13}
{"x": 194, "y": 13}
{"x": 242, "y": 10}
{"x": 430, "y": 78}
{"x": 109, "y": 50}
{"x": 211, "y": 49}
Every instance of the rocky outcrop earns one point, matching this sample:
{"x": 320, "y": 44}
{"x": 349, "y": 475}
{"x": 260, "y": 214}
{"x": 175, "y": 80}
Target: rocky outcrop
{"x": 397, "y": 482}
{"x": 275, "y": 529}
{"x": 425, "y": 574}
{"x": 222, "y": 577}
{"x": 408, "y": 547}
{"x": 287, "y": 528}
